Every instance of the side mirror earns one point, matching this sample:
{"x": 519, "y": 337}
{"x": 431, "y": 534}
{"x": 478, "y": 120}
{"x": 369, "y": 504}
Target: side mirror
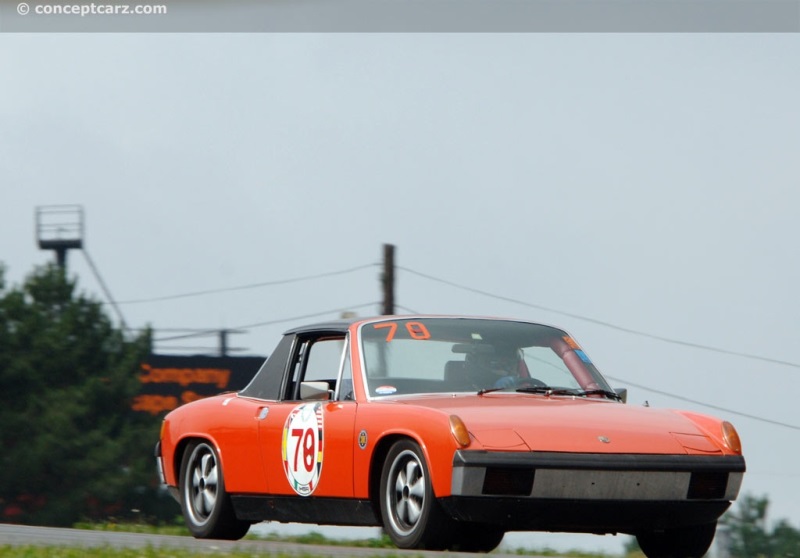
{"x": 623, "y": 393}
{"x": 315, "y": 391}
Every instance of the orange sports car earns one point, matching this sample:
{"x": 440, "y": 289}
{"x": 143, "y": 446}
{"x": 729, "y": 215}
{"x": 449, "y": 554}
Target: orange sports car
{"x": 447, "y": 432}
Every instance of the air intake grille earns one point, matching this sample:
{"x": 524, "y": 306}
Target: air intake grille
{"x": 500, "y": 481}
{"x": 708, "y": 486}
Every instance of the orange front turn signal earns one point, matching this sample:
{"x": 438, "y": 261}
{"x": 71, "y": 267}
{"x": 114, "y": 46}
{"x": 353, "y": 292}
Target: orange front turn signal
{"x": 459, "y": 430}
{"x": 731, "y": 437}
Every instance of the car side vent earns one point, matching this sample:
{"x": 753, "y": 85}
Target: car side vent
{"x": 500, "y": 481}
{"x": 708, "y": 486}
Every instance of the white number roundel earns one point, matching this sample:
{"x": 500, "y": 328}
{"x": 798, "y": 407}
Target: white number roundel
{"x": 301, "y": 447}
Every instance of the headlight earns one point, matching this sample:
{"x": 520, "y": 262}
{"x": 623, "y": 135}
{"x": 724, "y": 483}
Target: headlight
{"x": 731, "y": 437}
{"x": 459, "y": 430}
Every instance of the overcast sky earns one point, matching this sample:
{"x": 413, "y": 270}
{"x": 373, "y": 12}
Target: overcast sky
{"x": 643, "y": 188}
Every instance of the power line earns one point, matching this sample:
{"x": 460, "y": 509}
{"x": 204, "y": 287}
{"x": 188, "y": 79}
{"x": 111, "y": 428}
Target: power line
{"x": 604, "y": 323}
{"x": 716, "y": 407}
{"x": 249, "y": 286}
{"x": 406, "y": 309}
{"x": 205, "y": 332}
{"x": 315, "y": 315}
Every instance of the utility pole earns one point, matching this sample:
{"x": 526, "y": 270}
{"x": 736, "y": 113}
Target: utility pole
{"x": 387, "y": 279}
{"x": 223, "y": 342}
{"x": 224, "y": 346}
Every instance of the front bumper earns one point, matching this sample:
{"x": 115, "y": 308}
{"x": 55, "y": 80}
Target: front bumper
{"x": 591, "y": 492}
{"x": 159, "y": 463}
{"x": 173, "y": 491}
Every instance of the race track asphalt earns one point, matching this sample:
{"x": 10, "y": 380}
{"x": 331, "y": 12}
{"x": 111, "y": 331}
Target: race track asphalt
{"x": 23, "y": 535}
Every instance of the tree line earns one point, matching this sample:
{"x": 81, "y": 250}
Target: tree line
{"x": 72, "y": 448}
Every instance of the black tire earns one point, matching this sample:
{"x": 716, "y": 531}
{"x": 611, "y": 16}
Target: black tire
{"x": 680, "y": 542}
{"x": 206, "y": 507}
{"x": 477, "y": 537}
{"x": 411, "y": 516}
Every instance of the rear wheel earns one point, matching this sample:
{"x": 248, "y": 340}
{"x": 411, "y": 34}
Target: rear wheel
{"x": 411, "y": 516}
{"x": 680, "y": 542}
{"x": 206, "y": 507}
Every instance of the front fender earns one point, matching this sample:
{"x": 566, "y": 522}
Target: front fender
{"x": 385, "y": 423}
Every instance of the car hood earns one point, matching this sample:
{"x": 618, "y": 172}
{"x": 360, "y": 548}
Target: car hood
{"x": 525, "y": 422}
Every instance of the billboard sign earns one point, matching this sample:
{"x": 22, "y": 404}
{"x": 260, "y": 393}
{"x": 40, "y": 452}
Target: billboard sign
{"x": 170, "y": 381}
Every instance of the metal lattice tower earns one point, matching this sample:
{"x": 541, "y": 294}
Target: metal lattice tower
{"x": 59, "y": 228}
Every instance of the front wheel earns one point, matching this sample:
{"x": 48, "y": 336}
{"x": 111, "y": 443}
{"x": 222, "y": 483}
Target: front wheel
{"x": 411, "y": 516}
{"x": 679, "y": 542}
{"x": 206, "y": 507}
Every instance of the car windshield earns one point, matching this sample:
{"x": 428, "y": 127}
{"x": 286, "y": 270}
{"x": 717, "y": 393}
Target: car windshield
{"x": 444, "y": 355}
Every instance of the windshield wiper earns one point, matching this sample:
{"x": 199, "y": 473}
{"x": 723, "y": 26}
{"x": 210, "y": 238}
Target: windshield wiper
{"x": 490, "y": 390}
{"x": 610, "y": 394}
{"x": 547, "y": 390}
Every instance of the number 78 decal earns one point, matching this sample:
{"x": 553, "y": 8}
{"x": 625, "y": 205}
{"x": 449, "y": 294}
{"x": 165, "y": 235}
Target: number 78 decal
{"x": 301, "y": 447}
{"x": 416, "y": 330}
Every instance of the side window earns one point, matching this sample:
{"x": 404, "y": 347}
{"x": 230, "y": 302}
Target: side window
{"x": 315, "y": 360}
{"x": 324, "y": 358}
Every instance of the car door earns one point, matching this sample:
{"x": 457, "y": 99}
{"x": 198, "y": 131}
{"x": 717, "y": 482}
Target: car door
{"x": 306, "y": 438}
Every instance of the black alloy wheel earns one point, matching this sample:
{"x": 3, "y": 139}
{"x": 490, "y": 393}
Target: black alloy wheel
{"x": 411, "y": 516}
{"x": 206, "y": 507}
